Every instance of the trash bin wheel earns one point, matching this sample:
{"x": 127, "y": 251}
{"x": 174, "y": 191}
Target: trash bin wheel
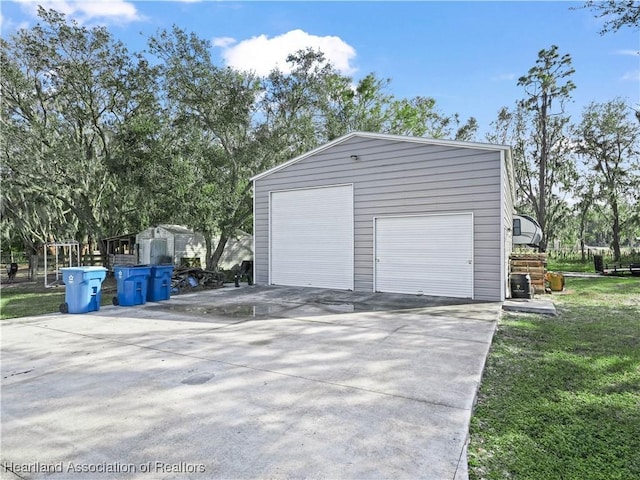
{"x": 64, "y": 308}
{"x": 115, "y": 301}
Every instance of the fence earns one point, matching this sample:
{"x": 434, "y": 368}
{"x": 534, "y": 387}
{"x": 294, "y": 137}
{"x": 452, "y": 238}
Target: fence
{"x": 34, "y": 265}
{"x": 590, "y": 251}
{"x": 7, "y": 257}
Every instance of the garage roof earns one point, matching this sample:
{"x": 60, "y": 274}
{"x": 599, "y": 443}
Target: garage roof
{"x": 384, "y": 136}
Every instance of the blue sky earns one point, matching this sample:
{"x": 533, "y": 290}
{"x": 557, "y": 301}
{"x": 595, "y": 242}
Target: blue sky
{"x": 467, "y": 55}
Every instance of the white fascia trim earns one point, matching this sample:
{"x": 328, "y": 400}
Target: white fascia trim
{"x": 432, "y": 141}
{"x": 253, "y": 240}
{"x": 503, "y": 262}
{"x": 302, "y": 157}
{"x": 512, "y": 176}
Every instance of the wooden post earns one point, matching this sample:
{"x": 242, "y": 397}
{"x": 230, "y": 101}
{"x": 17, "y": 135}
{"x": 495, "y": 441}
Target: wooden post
{"x": 33, "y": 267}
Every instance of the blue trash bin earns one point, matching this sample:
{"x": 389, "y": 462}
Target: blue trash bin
{"x": 131, "y": 282}
{"x": 159, "y": 287}
{"x": 82, "y": 289}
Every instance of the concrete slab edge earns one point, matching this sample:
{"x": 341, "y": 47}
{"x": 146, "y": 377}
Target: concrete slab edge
{"x": 462, "y": 470}
{"x": 542, "y": 307}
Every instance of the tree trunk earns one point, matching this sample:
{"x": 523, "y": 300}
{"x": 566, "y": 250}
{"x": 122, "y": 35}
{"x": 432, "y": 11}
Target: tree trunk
{"x": 615, "y": 230}
{"x": 29, "y": 246}
{"x": 212, "y": 261}
{"x": 208, "y": 241}
{"x": 102, "y": 246}
{"x": 583, "y": 215}
{"x": 542, "y": 172}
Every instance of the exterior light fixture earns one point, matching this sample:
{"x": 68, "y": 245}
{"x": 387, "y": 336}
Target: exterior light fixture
{"x": 354, "y": 157}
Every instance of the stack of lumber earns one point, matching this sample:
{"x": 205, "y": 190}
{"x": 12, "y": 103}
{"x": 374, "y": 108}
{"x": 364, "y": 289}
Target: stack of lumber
{"x": 535, "y": 264}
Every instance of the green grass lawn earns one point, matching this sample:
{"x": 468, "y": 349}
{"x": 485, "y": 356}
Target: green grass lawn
{"x": 575, "y": 264}
{"x": 560, "y": 396}
{"x": 570, "y": 265}
{"x": 28, "y": 298}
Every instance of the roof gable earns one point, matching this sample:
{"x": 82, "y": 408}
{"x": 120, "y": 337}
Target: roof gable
{"x": 383, "y": 136}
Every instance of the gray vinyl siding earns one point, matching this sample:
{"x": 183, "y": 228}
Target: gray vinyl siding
{"x": 394, "y": 177}
{"x": 508, "y": 204}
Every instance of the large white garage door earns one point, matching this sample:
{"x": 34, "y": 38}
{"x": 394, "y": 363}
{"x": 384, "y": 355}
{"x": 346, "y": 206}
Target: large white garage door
{"x": 430, "y": 255}
{"x": 311, "y": 237}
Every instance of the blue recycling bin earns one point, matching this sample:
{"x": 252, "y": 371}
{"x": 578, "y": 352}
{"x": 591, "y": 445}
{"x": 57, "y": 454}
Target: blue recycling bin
{"x": 82, "y": 289}
{"x": 159, "y": 287}
{"x": 131, "y": 283}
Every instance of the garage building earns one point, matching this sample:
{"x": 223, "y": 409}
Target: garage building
{"x": 388, "y": 213}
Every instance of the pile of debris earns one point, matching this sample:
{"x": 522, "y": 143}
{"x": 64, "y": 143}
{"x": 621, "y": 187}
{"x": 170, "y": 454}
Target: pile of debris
{"x": 186, "y": 279}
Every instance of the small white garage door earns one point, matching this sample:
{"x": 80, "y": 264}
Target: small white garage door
{"x": 311, "y": 237}
{"x": 429, "y": 255}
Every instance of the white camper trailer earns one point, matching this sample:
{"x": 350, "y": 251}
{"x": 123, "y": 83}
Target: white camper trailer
{"x": 526, "y": 231}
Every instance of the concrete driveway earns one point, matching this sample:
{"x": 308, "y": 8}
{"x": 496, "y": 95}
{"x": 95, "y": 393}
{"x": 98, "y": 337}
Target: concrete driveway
{"x": 255, "y": 382}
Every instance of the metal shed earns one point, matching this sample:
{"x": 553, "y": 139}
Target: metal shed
{"x": 238, "y": 248}
{"x": 171, "y": 244}
{"x": 388, "y": 213}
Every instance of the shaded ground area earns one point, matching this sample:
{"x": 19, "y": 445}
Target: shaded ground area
{"x": 264, "y": 302}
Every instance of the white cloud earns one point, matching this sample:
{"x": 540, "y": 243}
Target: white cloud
{"x": 504, "y": 76}
{"x": 120, "y": 11}
{"x": 633, "y": 76}
{"x": 627, "y": 52}
{"x": 223, "y": 42}
{"x": 261, "y": 54}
